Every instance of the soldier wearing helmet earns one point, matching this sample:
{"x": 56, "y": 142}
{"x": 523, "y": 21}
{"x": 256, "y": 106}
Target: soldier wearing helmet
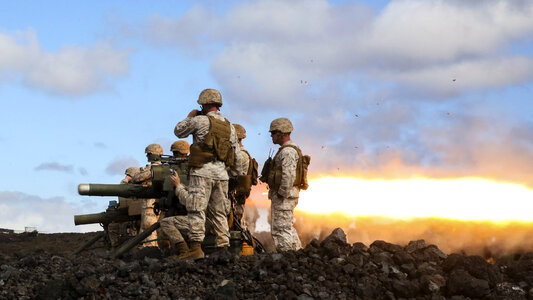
{"x": 213, "y": 151}
{"x": 148, "y": 217}
{"x": 242, "y": 177}
{"x": 119, "y": 231}
{"x": 180, "y": 149}
{"x": 281, "y": 176}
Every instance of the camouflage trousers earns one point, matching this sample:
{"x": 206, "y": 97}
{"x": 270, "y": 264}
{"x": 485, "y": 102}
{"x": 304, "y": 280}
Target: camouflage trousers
{"x": 174, "y": 228}
{"x": 208, "y": 205}
{"x": 148, "y": 218}
{"x": 284, "y": 234}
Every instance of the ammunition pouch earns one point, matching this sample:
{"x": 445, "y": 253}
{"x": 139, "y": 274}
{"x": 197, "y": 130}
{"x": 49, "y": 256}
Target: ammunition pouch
{"x": 199, "y": 157}
{"x": 266, "y": 170}
{"x": 216, "y": 146}
{"x": 243, "y": 188}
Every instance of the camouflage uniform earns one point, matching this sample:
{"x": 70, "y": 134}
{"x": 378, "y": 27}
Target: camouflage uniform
{"x": 148, "y": 217}
{"x": 241, "y": 168}
{"x": 175, "y": 226}
{"x": 284, "y": 201}
{"x": 117, "y": 231}
{"x": 208, "y": 185}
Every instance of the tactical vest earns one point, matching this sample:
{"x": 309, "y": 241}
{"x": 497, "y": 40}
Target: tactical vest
{"x": 244, "y": 182}
{"x": 271, "y": 173}
{"x": 216, "y": 146}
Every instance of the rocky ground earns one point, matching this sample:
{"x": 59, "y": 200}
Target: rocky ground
{"x": 43, "y": 266}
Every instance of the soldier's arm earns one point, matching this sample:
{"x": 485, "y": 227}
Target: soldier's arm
{"x": 186, "y": 127}
{"x": 289, "y": 161}
{"x": 144, "y": 175}
{"x": 182, "y": 193}
{"x": 180, "y": 190}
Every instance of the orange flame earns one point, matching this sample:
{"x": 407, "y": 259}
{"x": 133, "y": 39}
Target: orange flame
{"x": 475, "y": 215}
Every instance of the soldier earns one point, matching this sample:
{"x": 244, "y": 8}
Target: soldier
{"x": 180, "y": 149}
{"x": 213, "y": 150}
{"x": 174, "y": 226}
{"x": 243, "y": 177}
{"x": 283, "y": 183}
{"x": 116, "y": 230}
{"x": 148, "y": 217}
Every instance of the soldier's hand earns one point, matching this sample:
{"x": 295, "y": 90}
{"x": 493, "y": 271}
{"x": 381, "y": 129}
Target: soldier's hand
{"x": 175, "y": 179}
{"x": 193, "y": 113}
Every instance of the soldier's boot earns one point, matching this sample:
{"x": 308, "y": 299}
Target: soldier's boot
{"x": 195, "y": 252}
{"x": 181, "y": 248}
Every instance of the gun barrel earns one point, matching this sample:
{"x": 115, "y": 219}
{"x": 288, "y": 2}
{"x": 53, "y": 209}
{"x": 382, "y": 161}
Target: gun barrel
{"x": 118, "y": 215}
{"x": 127, "y": 190}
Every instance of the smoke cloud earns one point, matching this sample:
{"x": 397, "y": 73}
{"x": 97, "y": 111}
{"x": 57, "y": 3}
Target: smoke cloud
{"x": 55, "y": 167}
{"x": 119, "y": 165}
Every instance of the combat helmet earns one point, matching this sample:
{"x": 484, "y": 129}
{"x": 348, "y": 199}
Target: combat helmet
{"x": 240, "y": 131}
{"x": 131, "y": 171}
{"x": 210, "y": 96}
{"x": 154, "y": 149}
{"x": 180, "y": 146}
{"x": 283, "y": 125}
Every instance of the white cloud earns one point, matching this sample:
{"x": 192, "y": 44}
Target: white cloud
{"x": 321, "y": 63}
{"x": 18, "y": 210}
{"x": 72, "y": 71}
{"x": 271, "y": 46}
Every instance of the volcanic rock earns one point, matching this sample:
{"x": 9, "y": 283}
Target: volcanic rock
{"x": 328, "y": 269}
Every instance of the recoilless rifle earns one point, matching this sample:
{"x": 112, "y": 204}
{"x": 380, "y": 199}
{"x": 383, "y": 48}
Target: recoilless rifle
{"x": 160, "y": 189}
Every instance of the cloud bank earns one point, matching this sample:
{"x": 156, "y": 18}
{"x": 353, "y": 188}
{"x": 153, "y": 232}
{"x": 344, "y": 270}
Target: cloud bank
{"x": 398, "y": 92}
{"x": 18, "y": 210}
{"x": 71, "y": 71}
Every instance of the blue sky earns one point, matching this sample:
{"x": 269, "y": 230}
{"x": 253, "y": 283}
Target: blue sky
{"x": 382, "y": 89}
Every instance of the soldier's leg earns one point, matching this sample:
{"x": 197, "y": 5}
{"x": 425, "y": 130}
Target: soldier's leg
{"x": 169, "y": 228}
{"x": 148, "y": 218}
{"x": 284, "y": 235}
{"x": 218, "y": 210}
{"x": 199, "y": 190}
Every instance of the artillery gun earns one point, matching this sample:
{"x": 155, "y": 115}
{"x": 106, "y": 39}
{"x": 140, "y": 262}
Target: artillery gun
{"x": 161, "y": 189}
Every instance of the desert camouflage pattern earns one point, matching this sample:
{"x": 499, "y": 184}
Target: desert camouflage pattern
{"x": 199, "y": 127}
{"x": 208, "y": 206}
{"x": 210, "y": 96}
{"x": 240, "y": 131}
{"x": 180, "y": 146}
{"x": 145, "y": 174}
{"x": 175, "y": 228}
{"x": 154, "y": 149}
{"x": 281, "y": 124}
{"x": 148, "y": 217}
{"x": 282, "y": 229}
{"x": 242, "y": 163}
{"x": 131, "y": 171}
{"x": 288, "y": 159}
{"x": 284, "y": 201}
